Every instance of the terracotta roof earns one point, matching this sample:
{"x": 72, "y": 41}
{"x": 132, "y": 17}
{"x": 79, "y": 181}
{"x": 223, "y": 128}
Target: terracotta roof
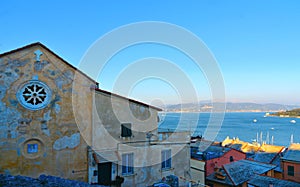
{"x": 246, "y": 147}
{"x": 271, "y": 148}
{"x": 240, "y": 145}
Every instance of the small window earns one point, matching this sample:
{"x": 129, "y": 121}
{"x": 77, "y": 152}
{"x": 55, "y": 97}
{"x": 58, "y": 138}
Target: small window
{"x": 126, "y": 130}
{"x": 95, "y": 173}
{"x": 32, "y": 148}
{"x": 127, "y": 164}
{"x": 231, "y": 159}
{"x": 291, "y": 170}
{"x": 166, "y": 159}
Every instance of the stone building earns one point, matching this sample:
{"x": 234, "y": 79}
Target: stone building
{"x": 39, "y": 134}
{"x": 54, "y": 120}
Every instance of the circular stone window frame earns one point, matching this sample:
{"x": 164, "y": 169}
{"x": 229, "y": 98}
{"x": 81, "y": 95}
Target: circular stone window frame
{"x": 39, "y": 153}
{"x": 25, "y": 103}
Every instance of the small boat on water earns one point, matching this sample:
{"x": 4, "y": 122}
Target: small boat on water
{"x": 255, "y": 120}
{"x": 293, "y": 121}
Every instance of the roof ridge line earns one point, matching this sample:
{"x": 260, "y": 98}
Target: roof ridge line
{"x": 53, "y": 53}
{"x": 228, "y": 175}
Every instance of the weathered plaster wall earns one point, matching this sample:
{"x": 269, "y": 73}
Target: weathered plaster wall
{"x": 150, "y": 156}
{"x": 61, "y": 151}
{"x": 198, "y": 171}
{"x": 111, "y": 111}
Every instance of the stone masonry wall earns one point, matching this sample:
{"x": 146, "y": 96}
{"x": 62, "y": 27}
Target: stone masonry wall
{"x": 43, "y": 139}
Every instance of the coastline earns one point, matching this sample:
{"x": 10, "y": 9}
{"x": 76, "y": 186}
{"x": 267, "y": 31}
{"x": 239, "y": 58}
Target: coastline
{"x": 227, "y": 111}
{"x": 285, "y": 116}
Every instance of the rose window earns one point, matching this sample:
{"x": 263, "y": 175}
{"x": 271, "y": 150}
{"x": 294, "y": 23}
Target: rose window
{"x": 34, "y": 95}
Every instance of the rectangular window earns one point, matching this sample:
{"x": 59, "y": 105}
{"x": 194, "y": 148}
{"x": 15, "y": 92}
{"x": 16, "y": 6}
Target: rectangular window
{"x": 291, "y": 170}
{"x": 126, "y": 130}
{"x": 32, "y": 148}
{"x": 127, "y": 164}
{"x": 95, "y": 173}
{"x": 166, "y": 159}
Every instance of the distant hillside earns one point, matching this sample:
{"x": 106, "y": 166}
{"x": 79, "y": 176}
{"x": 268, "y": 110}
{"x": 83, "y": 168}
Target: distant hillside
{"x": 288, "y": 113}
{"x": 230, "y": 107}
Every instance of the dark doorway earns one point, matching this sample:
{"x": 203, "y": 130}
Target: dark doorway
{"x": 104, "y": 173}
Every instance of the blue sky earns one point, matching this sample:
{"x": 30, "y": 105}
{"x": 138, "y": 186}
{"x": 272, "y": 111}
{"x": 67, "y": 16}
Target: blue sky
{"x": 256, "y": 43}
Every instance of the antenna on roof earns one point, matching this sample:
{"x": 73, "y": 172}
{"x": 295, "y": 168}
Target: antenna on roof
{"x": 292, "y": 138}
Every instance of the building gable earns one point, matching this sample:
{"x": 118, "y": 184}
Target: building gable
{"x": 39, "y": 45}
{"x": 37, "y": 120}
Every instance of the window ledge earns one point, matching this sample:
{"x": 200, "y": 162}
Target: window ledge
{"x": 126, "y": 138}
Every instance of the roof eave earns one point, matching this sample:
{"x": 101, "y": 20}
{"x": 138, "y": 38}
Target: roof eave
{"x": 289, "y": 160}
{"x": 131, "y": 100}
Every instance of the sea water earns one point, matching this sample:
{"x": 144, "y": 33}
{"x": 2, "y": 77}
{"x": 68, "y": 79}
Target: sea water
{"x": 249, "y": 127}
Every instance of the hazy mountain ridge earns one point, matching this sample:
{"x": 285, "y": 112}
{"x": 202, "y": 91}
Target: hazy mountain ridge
{"x": 230, "y": 107}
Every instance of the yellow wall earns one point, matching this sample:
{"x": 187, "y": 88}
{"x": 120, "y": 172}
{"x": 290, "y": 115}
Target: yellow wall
{"x": 61, "y": 148}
